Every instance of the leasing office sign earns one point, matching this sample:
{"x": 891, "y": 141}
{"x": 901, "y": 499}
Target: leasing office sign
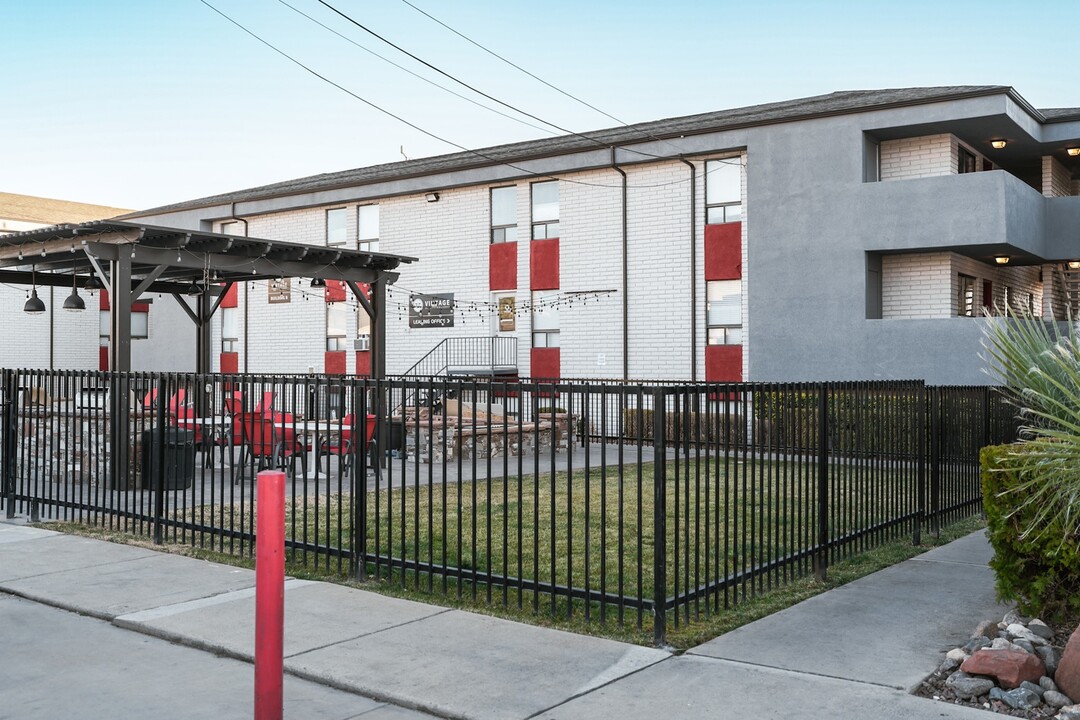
{"x": 431, "y": 311}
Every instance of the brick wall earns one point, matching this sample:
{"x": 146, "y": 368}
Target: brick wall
{"x": 916, "y": 157}
{"x": 1056, "y": 179}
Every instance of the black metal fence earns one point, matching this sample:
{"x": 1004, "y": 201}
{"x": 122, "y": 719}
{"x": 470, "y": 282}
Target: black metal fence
{"x": 650, "y": 503}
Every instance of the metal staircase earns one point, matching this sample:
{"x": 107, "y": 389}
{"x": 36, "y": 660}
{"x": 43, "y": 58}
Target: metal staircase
{"x": 469, "y": 357}
{"x": 1069, "y": 279}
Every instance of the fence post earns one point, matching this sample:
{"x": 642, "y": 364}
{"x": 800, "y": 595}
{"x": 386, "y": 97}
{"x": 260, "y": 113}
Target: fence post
{"x": 920, "y": 468}
{"x": 10, "y": 421}
{"x": 157, "y": 461}
{"x": 986, "y": 419}
{"x": 821, "y": 557}
{"x": 659, "y": 518}
{"x": 935, "y": 461}
{"x": 359, "y": 465}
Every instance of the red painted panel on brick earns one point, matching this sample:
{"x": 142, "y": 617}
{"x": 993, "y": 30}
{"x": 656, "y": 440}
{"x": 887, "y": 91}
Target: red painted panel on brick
{"x": 137, "y": 307}
{"x": 363, "y": 363}
{"x": 103, "y": 357}
{"x": 723, "y": 363}
{"x": 229, "y": 301}
{"x": 335, "y": 362}
{"x": 545, "y": 363}
{"x": 723, "y": 251}
{"x": 544, "y": 264}
{"x": 502, "y": 266}
{"x": 230, "y": 362}
{"x": 335, "y": 291}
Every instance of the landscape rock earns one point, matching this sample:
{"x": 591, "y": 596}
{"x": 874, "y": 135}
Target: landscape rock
{"x": 1067, "y": 675}
{"x": 987, "y": 628}
{"x": 968, "y": 687}
{"x": 1069, "y": 712}
{"x": 1027, "y": 685}
{"x": 1055, "y": 699}
{"x": 1047, "y": 684}
{"x": 958, "y": 654}
{"x": 1010, "y": 667}
{"x": 1041, "y": 629}
{"x": 976, "y": 643}
{"x": 1002, "y": 644}
{"x": 1017, "y": 631}
{"x": 1017, "y": 698}
{"x": 1013, "y": 618}
{"x": 1024, "y": 645}
{"x": 1050, "y": 658}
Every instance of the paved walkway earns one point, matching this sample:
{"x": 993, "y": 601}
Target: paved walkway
{"x": 852, "y": 652}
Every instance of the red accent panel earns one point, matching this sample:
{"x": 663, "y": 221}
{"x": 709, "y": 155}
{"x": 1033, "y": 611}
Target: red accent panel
{"x": 103, "y": 357}
{"x": 137, "y": 307}
{"x": 723, "y": 251}
{"x": 723, "y": 363}
{"x": 363, "y": 363}
{"x": 230, "y": 362}
{"x": 335, "y": 362}
{"x": 229, "y": 301}
{"x": 544, "y": 264}
{"x": 502, "y": 266}
{"x": 335, "y": 291}
{"x": 545, "y": 363}
{"x": 988, "y": 294}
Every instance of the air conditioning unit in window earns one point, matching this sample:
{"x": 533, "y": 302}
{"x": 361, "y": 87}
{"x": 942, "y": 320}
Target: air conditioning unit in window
{"x": 362, "y": 343}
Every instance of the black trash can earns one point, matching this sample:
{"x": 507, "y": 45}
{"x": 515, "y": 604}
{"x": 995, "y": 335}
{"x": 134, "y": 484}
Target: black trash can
{"x": 179, "y": 468}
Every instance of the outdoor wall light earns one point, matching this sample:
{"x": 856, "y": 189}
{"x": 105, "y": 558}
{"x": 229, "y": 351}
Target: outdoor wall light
{"x": 1073, "y": 264}
{"x": 33, "y": 305}
{"x": 73, "y": 302}
{"x": 432, "y": 197}
{"x": 318, "y": 282}
{"x": 1073, "y": 152}
{"x": 1001, "y": 259}
{"x": 92, "y": 284}
{"x": 998, "y": 144}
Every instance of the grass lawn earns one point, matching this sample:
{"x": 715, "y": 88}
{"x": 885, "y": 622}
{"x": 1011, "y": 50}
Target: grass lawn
{"x": 594, "y": 532}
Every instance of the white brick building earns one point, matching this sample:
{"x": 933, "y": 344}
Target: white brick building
{"x": 848, "y": 236}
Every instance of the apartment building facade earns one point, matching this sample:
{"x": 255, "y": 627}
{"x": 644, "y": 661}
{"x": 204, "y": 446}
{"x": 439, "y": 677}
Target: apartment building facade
{"x": 856, "y": 235}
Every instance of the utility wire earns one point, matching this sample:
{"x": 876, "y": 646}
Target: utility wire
{"x": 512, "y": 64}
{"x": 464, "y": 84}
{"x": 417, "y": 127}
{"x": 414, "y": 74}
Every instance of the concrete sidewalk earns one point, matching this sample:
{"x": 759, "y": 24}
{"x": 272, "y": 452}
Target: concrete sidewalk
{"x": 849, "y": 653}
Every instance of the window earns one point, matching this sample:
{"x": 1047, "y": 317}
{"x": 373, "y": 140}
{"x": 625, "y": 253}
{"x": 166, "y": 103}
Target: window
{"x": 724, "y": 312}
{"x": 230, "y": 333}
{"x": 335, "y": 227}
{"x": 965, "y": 299}
{"x": 965, "y": 162}
{"x": 545, "y": 319}
{"x": 545, "y": 210}
{"x": 504, "y": 214}
{"x": 723, "y": 191}
{"x": 335, "y": 326}
{"x": 363, "y": 330}
{"x": 367, "y": 222}
{"x": 231, "y": 227}
{"x": 140, "y": 325}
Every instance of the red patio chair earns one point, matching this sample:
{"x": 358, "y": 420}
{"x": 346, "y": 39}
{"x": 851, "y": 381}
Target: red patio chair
{"x": 341, "y": 445}
{"x": 271, "y": 444}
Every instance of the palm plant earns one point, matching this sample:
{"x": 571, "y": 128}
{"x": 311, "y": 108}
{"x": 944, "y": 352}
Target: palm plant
{"x": 1038, "y": 364}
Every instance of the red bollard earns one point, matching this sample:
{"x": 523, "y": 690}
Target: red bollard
{"x": 269, "y": 594}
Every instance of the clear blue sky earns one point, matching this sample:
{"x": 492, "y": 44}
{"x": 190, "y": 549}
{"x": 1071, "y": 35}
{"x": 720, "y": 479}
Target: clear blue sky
{"x": 136, "y": 104}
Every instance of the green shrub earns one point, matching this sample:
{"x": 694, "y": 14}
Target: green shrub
{"x": 1040, "y": 571}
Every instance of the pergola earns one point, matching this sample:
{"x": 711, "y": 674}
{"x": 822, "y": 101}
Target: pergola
{"x": 130, "y": 259}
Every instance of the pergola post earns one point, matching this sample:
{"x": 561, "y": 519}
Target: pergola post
{"x": 378, "y": 329}
{"x": 119, "y": 362}
{"x": 204, "y": 310}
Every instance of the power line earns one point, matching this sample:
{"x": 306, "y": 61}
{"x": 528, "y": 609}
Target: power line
{"x": 514, "y": 65}
{"x": 464, "y": 84}
{"x": 419, "y": 129}
{"x": 414, "y": 74}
